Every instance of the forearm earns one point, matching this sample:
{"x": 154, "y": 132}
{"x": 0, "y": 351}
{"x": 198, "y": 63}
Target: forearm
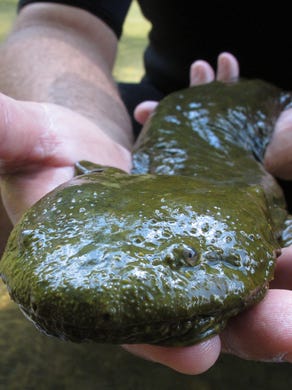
{"x": 64, "y": 55}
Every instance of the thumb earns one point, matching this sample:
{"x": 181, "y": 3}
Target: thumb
{"x": 144, "y": 110}
{"x": 191, "y": 360}
{"x": 278, "y": 156}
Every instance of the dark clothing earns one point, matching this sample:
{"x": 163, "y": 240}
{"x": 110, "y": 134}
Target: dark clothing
{"x": 112, "y": 12}
{"x": 257, "y": 34}
{"x": 183, "y": 32}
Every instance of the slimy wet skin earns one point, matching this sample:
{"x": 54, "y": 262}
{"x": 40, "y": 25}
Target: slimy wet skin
{"x": 167, "y": 254}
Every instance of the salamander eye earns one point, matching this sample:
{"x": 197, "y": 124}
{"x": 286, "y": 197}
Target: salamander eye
{"x": 190, "y": 255}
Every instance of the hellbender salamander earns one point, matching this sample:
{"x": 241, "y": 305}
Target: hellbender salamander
{"x": 167, "y": 254}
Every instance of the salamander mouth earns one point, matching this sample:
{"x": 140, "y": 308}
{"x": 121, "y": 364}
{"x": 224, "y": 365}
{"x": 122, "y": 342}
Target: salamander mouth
{"x": 180, "y": 332}
{"x": 171, "y": 332}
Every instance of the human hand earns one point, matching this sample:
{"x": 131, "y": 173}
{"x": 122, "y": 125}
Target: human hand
{"x": 39, "y": 144}
{"x": 200, "y": 73}
{"x": 46, "y": 159}
{"x": 278, "y": 156}
{"x": 263, "y": 332}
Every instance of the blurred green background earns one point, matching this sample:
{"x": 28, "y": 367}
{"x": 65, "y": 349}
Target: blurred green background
{"x": 7, "y": 13}
{"x": 129, "y": 65}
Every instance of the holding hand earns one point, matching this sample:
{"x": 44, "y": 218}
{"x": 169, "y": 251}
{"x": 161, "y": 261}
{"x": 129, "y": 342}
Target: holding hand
{"x": 40, "y": 144}
{"x": 263, "y": 332}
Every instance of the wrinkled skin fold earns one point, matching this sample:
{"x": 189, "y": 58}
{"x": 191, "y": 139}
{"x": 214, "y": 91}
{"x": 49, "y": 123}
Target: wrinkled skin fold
{"x": 167, "y": 254}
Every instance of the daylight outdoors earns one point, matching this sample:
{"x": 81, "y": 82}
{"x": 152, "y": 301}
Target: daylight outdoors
{"x": 30, "y": 360}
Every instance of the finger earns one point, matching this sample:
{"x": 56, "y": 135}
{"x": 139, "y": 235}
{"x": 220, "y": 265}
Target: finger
{"x": 227, "y": 68}
{"x": 278, "y": 156}
{"x": 143, "y": 111}
{"x": 187, "y": 360}
{"x": 264, "y": 332}
{"x": 201, "y": 73}
{"x": 283, "y": 271}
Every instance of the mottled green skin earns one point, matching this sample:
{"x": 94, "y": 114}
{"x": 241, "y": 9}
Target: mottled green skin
{"x": 168, "y": 254}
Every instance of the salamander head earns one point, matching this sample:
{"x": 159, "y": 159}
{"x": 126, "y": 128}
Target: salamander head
{"x": 125, "y": 258}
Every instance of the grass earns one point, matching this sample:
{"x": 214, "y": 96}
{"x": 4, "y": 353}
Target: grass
{"x": 7, "y": 14}
{"x": 129, "y": 65}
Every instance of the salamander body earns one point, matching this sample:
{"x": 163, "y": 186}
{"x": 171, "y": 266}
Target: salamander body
{"x": 167, "y": 254}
